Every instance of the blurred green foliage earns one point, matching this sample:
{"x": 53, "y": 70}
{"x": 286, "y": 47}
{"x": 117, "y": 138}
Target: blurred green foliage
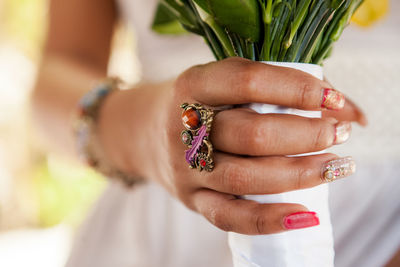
{"x": 64, "y": 193}
{"x": 24, "y": 23}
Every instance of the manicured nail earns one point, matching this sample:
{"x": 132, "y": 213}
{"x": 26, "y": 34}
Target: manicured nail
{"x": 342, "y": 132}
{"x": 338, "y": 168}
{"x": 332, "y": 99}
{"x": 300, "y": 220}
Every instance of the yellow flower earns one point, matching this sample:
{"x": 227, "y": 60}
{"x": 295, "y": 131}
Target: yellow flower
{"x": 370, "y": 12}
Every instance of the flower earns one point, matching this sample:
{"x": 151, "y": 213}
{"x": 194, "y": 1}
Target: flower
{"x": 370, "y": 12}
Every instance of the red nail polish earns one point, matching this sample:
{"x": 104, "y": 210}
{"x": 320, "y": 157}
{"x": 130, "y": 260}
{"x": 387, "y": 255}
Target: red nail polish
{"x": 332, "y": 99}
{"x": 300, "y": 220}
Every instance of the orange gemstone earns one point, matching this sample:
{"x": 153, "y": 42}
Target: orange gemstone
{"x": 191, "y": 118}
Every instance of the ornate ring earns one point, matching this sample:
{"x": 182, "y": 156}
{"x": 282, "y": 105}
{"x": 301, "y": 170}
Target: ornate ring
{"x": 198, "y": 121}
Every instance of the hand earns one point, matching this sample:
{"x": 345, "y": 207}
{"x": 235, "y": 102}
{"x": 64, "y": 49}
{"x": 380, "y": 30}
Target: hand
{"x": 140, "y": 130}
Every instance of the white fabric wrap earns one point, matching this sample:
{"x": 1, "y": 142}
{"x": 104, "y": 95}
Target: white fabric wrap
{"x": 299, "y": 248}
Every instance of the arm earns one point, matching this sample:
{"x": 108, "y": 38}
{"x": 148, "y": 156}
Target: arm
{"x": 75, "y": 55}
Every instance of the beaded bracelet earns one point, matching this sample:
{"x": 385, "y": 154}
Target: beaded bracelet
{"x": 85, "y": 131}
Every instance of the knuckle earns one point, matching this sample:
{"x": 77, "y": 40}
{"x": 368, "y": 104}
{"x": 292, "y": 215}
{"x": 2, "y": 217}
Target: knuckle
{"x": 236, "y": 179}
{"x": 302, "y": 177}
{"x": 322, "y": 136}
{"x": 305, "y": 93}
{"x": 183, "y": 81}
{"x": 254, "y": 137}
{"x": 247, "y": 77}
{"x": 260, "y": 222}
{"x": 189, "y": 78}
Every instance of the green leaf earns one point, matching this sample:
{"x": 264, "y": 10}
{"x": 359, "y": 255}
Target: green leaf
{"x": 182, "y": 13}
{"x": 238, "y": 16}
{"x": 203, "y": 4}
{"x": 165, "y": 22}
{"x": 298, "y": 20}
{"x": 335, "y": 4}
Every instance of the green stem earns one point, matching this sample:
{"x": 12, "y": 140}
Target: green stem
{"x": 281, "y": 31}
{"x": 294, "y": 48}
{"x": 308, "y": 52}
{"x": 298, "y": 20}
{"x": 243, "y": 44}
{"x": 312, "y": 23}
{"x": 322, "y": 53}
{"x": 268, "y": 12}
{"x": 209, "y": 36}
{"x": 211, "y": 48}
{"x": 333, "y": 24}
{"x": 276, "y": 20}
{"x": 265, "y": 51}
{"x": 222, "y": 36}
{"x": 344, "y": 21}
{"x": 252, "y": 50}
{"x": 284, "y": 48}
{"x": 318, "y": 44}
{"x": 237, "y": 45}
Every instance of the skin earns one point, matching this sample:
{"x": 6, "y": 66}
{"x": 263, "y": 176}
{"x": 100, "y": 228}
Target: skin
{"x": 213, "y": 194}
{"x": 395, "y": 261}
{"x": 139, "y": 129}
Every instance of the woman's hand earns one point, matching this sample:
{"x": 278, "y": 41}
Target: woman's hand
{"x": 140, "y": 130}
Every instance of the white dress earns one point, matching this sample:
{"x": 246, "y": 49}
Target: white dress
{"x": 146, "y": 227}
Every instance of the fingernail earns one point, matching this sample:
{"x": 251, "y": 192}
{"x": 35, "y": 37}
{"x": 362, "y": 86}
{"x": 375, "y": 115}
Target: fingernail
{"x": 300, "y": 220}
{"x": 338, "y": 168}
{"x": 342, "y": 132}
{"x": 332, "y": 99}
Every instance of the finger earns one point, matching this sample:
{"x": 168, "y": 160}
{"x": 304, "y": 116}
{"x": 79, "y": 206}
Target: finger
{"x": 273, "y": 175}
{"x": 239, "y": 81}
{"x": 242, "y": 131}
{"x": 350, "y": 112}
{"x": 249, "y": 217}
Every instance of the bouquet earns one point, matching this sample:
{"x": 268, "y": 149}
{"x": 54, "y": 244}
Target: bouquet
{"x": 262, "y": 30}
{"x": 287, "y": 33}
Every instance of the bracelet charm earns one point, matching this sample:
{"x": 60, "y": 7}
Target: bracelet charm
{"x": 85, "y": 123}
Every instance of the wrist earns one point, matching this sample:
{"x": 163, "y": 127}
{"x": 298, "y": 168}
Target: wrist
{"x": 127, "y": 125}
{"x": 86, "y": 131}
{"x": 112, "y": 135}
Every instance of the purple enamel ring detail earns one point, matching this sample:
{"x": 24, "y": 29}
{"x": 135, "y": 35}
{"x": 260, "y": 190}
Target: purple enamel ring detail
{"x": 198, "y": 121}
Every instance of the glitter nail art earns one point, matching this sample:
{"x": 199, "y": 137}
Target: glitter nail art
{"x": 333, "y": 99}
{"x": 342, "y": 132}
{"x": 338, "y": 168}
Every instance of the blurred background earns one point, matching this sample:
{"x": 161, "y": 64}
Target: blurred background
{"x": 44, "y": 198}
